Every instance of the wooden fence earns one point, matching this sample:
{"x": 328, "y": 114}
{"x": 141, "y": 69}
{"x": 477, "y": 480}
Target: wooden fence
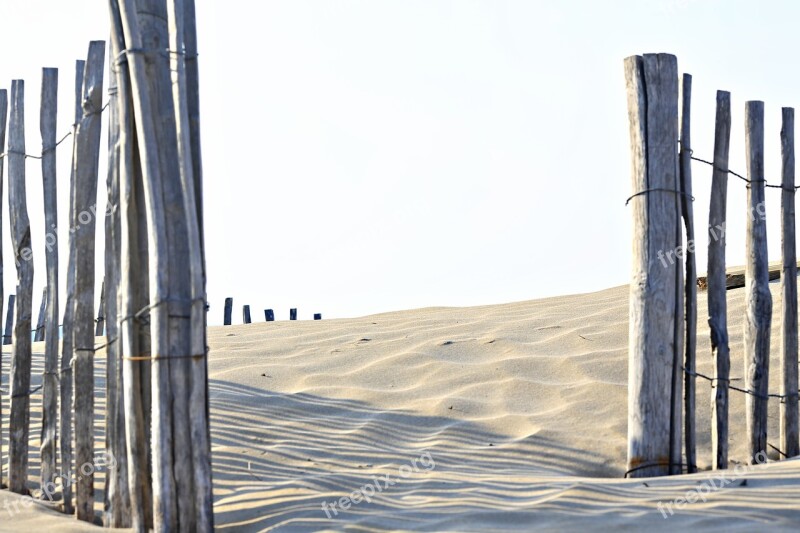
{"x": 157, "y": 438}
{"x": 662, "y": 370}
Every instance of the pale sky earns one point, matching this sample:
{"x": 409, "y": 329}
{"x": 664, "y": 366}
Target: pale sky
{"x": 369, "y": 156}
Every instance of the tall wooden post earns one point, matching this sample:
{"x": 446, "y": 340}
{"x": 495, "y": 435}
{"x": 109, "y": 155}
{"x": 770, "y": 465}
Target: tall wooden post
{"x": 38, "y": 333}
{"x": 66, "y": 418}
{"x": 246, "y": 314}
{"x": 790, "y": 444}
{"x": 717, "y": 303}
{"x": 134, "y": 337}
{"x": 691, "y": 275}
{"x": 656, "y": 299}
{"x": 49, "y": 331}
{"x": 3, "y": 115}
{"x": 293, "y": 314}
{"x": 7, "y": 335}
{"x": 758, "y": 299}
{"x": 87, "y": 150}
{"x": 228, "y": 311}
{"x": 19, "y": 418}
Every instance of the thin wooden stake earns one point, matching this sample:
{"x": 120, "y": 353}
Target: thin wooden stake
{"x": 656, "y": 307}
{"x": 19, "y": 419}
{"x": 717, "y": 303}
{"x": 38, "y": 333}
{"x": 758, "y": 299}
{"x": 691, "y": 276}
{"x": 790, "y": 443}
{"x": 66, "y": 414}
{"x": 87, "y": 150}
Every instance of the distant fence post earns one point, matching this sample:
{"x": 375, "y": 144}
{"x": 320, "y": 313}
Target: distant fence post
{"x": 293, "y": 314}
{"x": 717, "y": 297}
{"x": 790, "y": 444}
{"x": 9, "y": 319}
{"x": 269, "y": 315}
{"x": 228, "y": 311}
{"x": 691, "y": 275}
{"x": 317, "y": 316}
{"x": 3, "y": 115}
{"x": 656, "y": 298}
{"x": 758, "y": 299}
{"x": 38, "y": 335}
{"x": 246, "y": 314}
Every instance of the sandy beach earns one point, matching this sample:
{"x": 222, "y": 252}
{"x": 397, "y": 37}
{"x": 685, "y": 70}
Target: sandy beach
{"x": 499, "y": 417}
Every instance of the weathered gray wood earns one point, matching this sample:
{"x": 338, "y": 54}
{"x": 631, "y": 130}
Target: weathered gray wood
{"x": 134, "y": 337}
{"x": 656, "y": 307}
{"x": 246, "y": 314}
{"x": 758, "y": 299}
{"x": 178, "y": 435}
{"x": 7, "y": 335}
{"x": 87, "y": 150}
{"x": 293, "y": 314}
{"x": 717, "y": 303}
{"x": 20, "y": 379}
{"x": 197, "y": 513}
{"x": 691, "y": 276}
{"x": 228, "y": 317}
{"x": 790, "y": 443}
{"x": 48, "y": 329}
{"x": 67, "y": 352}
{"x": 117, "y": 512}
{"x": 38, "y": 333}
{"x": 3, "y": 118}
{"x": 100, "y": 321}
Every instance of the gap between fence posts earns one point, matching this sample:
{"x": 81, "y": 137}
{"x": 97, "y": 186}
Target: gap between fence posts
{"x": 717, "y": 303}
{"x": 758, "y": 299}
{"x": 38, "y": 333}
{"x": 789, "y": 382}
{"x": 7, "y": 335}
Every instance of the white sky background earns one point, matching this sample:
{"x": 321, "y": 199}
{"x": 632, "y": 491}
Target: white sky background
{"x": 368, "y": 156}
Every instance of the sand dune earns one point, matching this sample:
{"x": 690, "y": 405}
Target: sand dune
{"x": 487, "y": 418}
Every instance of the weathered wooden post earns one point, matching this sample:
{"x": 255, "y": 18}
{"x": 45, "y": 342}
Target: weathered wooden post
{"x": 20, "y": 379}
{"x": 790, "y": 444}
{"x": 717, "y": 303}
{"x": 87, "y": 150}
{"x": 317, "y": 316}
{"x": 7, "y": 335}
{"x": 100, "y": 321}
{"x": 228, "y": 311}
{"x": 691, "y": 274}
{"x": 293, "y": 314}
{"x": 66, "y": 389}
{"x": 3, "y": 115}
{"x": 38, "y": 333}
{"x": 48, "y": 329}
{"x": 246, "y": 314}
{"x": 269, "y": 315}
{"x": 656, "y": 302}
{"x": 134, "y": 337}
{"x": 758, "y": 299}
